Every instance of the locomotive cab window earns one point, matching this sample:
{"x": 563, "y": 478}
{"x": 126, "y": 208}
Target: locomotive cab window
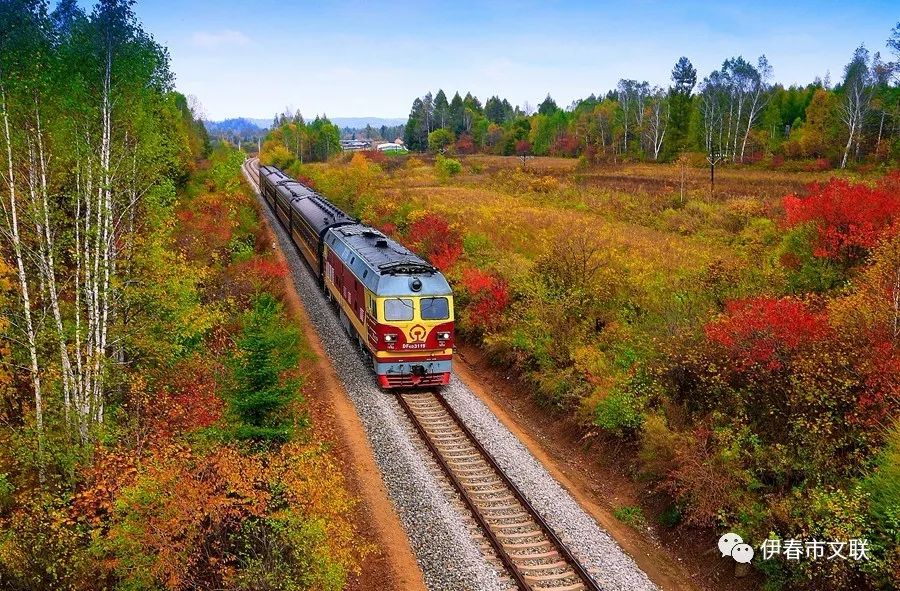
{"x": 435, "y": 308}
{"x": 398, "y": 309}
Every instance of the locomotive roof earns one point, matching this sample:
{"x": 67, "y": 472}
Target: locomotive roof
{"x": 385, "y": 266}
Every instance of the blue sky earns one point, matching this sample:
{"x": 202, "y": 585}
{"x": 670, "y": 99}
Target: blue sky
{"x": 372, "y": 58}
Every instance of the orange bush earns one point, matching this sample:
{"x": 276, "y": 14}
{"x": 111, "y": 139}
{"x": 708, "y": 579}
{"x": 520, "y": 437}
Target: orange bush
{"x": 193, "y": 521}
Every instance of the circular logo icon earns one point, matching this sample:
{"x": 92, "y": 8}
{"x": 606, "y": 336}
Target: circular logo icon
{"x": 743, "y": 553}
{"x": 417, "y": 333}
{"x": 728, "y": 541}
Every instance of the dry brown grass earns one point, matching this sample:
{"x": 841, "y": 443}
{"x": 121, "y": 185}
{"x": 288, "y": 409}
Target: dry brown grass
{"x": 731, "y": 181}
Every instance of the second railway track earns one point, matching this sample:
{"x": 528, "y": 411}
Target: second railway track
{"x": 535, "y": 558}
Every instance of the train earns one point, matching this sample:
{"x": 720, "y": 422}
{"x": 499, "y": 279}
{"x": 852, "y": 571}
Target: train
{"x": 396, "y": 305}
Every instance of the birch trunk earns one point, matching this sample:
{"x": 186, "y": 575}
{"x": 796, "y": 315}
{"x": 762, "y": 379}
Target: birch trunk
{"x": 15, "y": 238}
{"x": 40, "y": 198}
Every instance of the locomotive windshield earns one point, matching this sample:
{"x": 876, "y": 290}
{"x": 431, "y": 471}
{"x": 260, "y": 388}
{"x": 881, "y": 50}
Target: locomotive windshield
{"x": 435, "y": 308}
{"x": 398, "y": 309}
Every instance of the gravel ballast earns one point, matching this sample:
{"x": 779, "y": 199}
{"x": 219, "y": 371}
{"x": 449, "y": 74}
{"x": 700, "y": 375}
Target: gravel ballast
{"x": 594, "y": 548}
{"x": 438, "y": 531}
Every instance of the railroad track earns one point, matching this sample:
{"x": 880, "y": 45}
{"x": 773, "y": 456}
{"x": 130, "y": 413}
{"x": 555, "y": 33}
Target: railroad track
{"x": 533, "y": 555}
{"x": 251, "y": 171}
{"x": 528, "y": 549}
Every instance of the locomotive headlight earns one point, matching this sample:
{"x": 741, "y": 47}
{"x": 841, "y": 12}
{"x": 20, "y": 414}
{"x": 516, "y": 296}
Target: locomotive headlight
{"x": 443, "y": 336}
{"x": 390, "y": 338}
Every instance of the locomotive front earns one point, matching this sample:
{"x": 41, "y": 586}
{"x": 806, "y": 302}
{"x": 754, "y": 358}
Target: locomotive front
{"x": 399, "y": 306}
{"x": 412, "y": 328}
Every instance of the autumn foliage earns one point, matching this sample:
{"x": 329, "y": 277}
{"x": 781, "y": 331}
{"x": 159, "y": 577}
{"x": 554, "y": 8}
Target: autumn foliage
{"x": 220, "y": 520}
{"x": 207, "y": 477}
{"x": 850, "y": 218}
{"x": 746, "y": 369}
{"x": 764, "y": 331}
{"x": 488, "y": 297}
{"x": 432, "y": 237}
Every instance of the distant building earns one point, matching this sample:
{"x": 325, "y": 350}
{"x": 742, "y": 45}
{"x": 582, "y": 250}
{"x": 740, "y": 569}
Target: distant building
{"x": 399, "y": 140}
{"x": 355, "y": 145}
{"x": 391, "y": 147}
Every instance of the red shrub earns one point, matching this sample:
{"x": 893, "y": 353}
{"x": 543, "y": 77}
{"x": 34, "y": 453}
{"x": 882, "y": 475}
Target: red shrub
{"x": 566, "y": 145}
{"x": 488, "y": 298}
{"x": 766, "y": 332}
{"x": 305, "y": 180}
{"x": 850, "y": 218}
{"x": 388, "y": 228}
{"x": 446, "y": 256}
{"x": 268, "y": 269}
{"x": 476, "y": 281}
{"x": 375, "y": 156}
{"x": 523, "y": 148}
{"x": 465, "y": 145}
{"x": 877, "y": 401}
{"x": 260, "y": 273}
{"x": 432, "y": 237}
{"x": 190, "y": 402}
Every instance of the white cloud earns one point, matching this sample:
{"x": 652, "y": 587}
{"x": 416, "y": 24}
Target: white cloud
{"x": 211, "y": 39}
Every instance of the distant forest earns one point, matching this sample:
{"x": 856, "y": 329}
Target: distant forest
{"x": 735, "y": 113}
{"x": 387, "y": 133}
{"x": 235, "y": 130}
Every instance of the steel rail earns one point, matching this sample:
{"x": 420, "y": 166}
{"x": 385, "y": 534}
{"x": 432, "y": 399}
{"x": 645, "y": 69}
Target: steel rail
{"x": 576, "y": 565}
{"x": 504, "y": 556}
{"x": 577, "y": 568}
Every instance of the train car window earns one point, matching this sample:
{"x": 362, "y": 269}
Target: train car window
{"x": 398, "y": 309}
{"x": 435, "y": 308}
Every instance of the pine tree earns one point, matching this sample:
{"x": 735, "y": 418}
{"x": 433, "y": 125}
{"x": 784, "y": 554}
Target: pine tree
{"x": 413, "y": 134}
{"x": 684, "y": 78}
{"x": 441, "y": 110}
{"x": 457, "y": 113}
{"x": 548, "y": 106}
{"x": 266, "y": 352}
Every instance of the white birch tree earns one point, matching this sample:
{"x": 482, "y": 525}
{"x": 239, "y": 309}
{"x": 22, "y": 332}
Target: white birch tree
{"x": 857, "y": 95}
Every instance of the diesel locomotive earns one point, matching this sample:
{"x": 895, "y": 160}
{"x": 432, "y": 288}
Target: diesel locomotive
{"x": 397, "y": 306}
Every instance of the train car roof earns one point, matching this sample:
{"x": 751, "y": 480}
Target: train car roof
{"x": 384, "y": 265}
{"x": 315, "y": 209}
